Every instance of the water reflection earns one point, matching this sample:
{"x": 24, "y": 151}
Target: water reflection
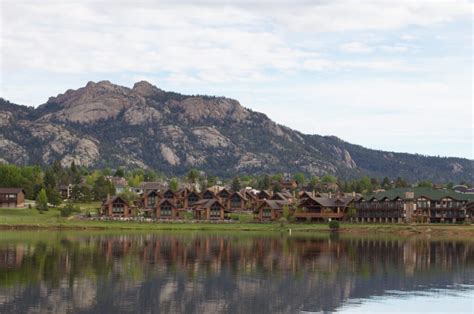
{"x": 56, "y": 272}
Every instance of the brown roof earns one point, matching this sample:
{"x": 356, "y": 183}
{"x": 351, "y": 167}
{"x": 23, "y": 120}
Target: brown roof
{"x": 275, "y": 204}
{"x": 113, "y": 199}
{"x": 205, "y": 204}
{"x": 11, "y": 190}
{"x": 151, "y": 185}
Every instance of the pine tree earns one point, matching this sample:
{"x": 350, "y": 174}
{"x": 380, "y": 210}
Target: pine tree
{"x": 236, "y": 184}
{"x": 42, "y": 201}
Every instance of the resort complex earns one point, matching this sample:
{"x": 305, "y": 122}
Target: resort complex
{"x": 399, "y": 205}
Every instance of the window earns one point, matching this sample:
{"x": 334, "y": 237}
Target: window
{"x": 165, "y": 211}
{"x": 235, "y": 202}
{"x": 117, "y": 208}
{"x": 152, "y": 200}
{"x": 267, "y": 213}
{"x": 215, "y": 211}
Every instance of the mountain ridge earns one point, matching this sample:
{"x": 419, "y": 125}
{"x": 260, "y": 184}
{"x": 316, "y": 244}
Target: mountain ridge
{"x": 103, "y": 124}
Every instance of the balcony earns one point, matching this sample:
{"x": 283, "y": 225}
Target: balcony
{"x": 318, "y": 215}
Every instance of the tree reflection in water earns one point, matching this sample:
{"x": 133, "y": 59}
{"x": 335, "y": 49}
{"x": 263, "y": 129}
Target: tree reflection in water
{"x": 56, "y": 272}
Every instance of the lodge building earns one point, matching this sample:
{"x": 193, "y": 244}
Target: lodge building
{"x": 421, "y": 205}
{"x": 12, "y": 197}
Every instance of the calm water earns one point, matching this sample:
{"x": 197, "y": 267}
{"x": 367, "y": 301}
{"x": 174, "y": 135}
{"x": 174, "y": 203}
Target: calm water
{"x": 212, "y": 273}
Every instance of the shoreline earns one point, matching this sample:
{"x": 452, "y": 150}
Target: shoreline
{"x": 346, "y": 229}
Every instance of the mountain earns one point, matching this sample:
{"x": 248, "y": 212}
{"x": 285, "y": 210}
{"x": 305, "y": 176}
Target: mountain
{"x": 103, "y": 124}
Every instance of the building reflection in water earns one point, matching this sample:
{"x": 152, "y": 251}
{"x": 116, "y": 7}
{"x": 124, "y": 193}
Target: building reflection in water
{"x": 220, "y": 273}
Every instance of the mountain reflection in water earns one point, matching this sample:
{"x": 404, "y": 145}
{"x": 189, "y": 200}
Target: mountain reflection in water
{"x": 212, "y": 273}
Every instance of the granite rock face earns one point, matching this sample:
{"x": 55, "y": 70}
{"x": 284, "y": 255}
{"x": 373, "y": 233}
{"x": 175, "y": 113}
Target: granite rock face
{"x": 103, "y": 124}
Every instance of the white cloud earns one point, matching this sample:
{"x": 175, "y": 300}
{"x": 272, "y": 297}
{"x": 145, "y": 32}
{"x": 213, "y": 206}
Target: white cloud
{"x": 267, "y": 49}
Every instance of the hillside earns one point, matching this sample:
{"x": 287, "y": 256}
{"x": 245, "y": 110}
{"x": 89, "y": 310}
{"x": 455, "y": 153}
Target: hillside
{"x": 103, "y": 124}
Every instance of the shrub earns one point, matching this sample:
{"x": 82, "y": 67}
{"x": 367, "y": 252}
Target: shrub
{"x": 68, "y": 209}
{"x": 334, "y": 225}
{"x": 283, "y": 221}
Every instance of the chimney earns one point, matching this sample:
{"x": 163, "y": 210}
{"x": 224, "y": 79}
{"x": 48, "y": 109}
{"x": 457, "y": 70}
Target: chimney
{"x": 353, "y": 193}
{"x": 108, "y": 197}
{"x": 330, "y": 194}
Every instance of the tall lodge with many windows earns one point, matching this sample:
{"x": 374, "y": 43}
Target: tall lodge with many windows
{"x": 423, "y": 205}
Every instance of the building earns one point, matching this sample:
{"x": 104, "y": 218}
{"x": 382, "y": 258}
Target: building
{"x": 65, "y": 191}
{"x": 12, "y": 197}
{"x": 211, "y": 209}
{"x": 270, "y": 210}
{"x": 322, "y": 208}
{"x": 424, "y": 205}
{"x": 236, "y": 202}
{"x": 116, "y": 206}
{"x": 166, "y": 209}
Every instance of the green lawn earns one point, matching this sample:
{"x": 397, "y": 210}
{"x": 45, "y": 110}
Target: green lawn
{"x": 24, "y": 218}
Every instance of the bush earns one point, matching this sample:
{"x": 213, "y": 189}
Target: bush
{"x": 334, "y": 225}
{"x": 283, "y": 221}
{"x": 68, "y": 209}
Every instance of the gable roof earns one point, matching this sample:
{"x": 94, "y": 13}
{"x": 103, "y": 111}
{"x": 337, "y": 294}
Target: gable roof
{"x": 205, "y": 204}
{"x": 115, "y": 198}
{"x": 12, "y": 190}
{"x": 274, "y": 204}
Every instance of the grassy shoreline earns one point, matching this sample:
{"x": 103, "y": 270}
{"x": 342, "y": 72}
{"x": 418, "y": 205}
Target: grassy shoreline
{"x": 30, "y": 219}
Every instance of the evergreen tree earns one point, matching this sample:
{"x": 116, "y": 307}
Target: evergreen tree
{"x": 236, "y": 186}
{"x": 54, "y": 197}
{"x": 276, "y": 187}
{"x": 173, "y": 185}
{"x": 386, "y": 183}
{"x": 42, "y": 201}
{"x": 193, "y": 175}
{"x": 119, "y": 173}
{"x": 299, "y": 177}
{"x": 102, "y": 187}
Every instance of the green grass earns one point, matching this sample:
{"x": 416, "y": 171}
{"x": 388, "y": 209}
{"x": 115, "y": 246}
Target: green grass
{"x": 24, "y": 218}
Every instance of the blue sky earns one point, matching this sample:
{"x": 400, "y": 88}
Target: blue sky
{"x": 391, "y": 75}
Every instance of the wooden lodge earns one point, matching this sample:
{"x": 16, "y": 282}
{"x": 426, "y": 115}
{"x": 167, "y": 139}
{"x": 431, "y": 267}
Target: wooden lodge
{"x": 12, "y": 197}
{"x": 393, "y": 206}
{"x": 270, "y": 210}
{"x": 236, "y": 202}
{"x": 322, "y": 208}
{"x": 422, "y": 205}
{"x": 166, "y": 209}
{"x": 211, "y": 209}
{"x": 116, "y": 207}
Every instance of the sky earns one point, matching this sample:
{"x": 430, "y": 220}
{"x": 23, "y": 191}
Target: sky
{"x": 390, "y": 75}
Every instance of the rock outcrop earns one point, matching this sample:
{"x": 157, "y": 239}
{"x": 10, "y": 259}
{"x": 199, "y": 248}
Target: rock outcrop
{"x": 103, "y": 124}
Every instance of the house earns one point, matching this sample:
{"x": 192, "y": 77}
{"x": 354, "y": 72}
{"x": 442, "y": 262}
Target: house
{"x": 282, "y": 196}
{"x": 120, "y": 184}
{"x": 270, "y": 210}
{"x": 236, "y": 202}
{"x": 166, "y": 209}
{"x": 151, "y": 199}
{"x": 65, "y": 191}
{"x": 12, "y": 197}
{"x": 264, "y": 195}
{"x": 223, "y": 195}
{"x": 208, "y": 194}
{"x": 149, "y": 186}
{"x": 191, "y": 198}
{"x": 321, "y": 208}
{"x": 116, "y": 206}
{"x": 211, "y": 209}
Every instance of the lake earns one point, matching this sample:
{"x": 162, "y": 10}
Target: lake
{"x": 103, "y": 272}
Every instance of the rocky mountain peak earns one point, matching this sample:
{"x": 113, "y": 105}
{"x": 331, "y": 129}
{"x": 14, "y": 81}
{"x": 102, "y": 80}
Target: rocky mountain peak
{"x": 144, "y": 88}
